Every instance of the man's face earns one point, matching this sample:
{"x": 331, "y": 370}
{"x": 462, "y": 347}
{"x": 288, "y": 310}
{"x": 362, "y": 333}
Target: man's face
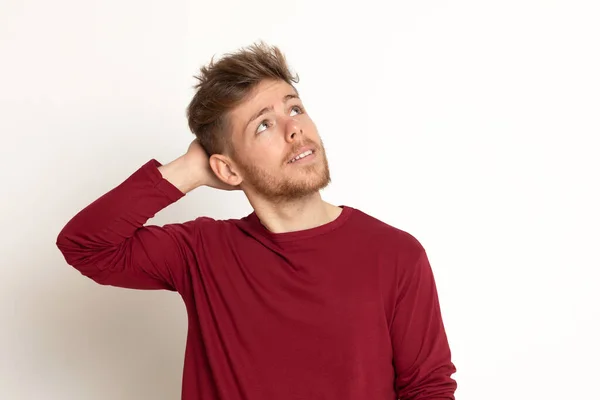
{"x": 270, "y": 129}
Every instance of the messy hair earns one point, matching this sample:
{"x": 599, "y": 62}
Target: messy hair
{"x": 224, "y": 84}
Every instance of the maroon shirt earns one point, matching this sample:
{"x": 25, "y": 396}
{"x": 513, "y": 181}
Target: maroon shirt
{"x": 344, "y": 311}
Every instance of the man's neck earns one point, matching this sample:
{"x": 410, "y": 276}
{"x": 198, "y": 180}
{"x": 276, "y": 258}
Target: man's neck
{"x": 295, "y": 215}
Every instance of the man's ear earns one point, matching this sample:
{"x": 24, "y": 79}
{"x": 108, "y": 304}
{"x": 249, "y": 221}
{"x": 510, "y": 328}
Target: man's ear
{"x": 224, "y": 168}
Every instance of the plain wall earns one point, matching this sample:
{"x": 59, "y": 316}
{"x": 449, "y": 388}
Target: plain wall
{"x": 472, "y": 125}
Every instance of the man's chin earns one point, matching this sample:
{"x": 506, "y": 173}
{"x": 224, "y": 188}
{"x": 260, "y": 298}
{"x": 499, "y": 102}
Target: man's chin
{"x": 291, "y": 191}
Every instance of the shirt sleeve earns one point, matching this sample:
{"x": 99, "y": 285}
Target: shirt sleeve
{"x": 108, "y": 242}
{"x": 421, "y": 353}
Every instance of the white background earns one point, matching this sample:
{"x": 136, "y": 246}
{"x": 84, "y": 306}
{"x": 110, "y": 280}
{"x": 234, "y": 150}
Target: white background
{"x": 473, "y": 125}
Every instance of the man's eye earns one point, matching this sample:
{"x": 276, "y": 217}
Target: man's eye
{"x": 265, "y": 123}
{"x": 297, "y": 108}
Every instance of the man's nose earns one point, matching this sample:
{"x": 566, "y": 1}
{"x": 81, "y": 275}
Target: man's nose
{"x": 292, "y": 130}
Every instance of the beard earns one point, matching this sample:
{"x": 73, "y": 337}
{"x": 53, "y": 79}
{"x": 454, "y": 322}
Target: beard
{"x": 290, "y": 182}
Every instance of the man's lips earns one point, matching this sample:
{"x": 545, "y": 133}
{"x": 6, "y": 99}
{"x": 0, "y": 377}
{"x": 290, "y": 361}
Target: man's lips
{"x": 303, "y": 152}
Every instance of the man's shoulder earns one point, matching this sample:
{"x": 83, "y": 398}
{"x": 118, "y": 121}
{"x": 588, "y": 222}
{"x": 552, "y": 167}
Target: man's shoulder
{"x": 383, "y": 235}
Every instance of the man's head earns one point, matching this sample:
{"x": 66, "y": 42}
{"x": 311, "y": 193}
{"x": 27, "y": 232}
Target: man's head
{"x": 248, "y": 117}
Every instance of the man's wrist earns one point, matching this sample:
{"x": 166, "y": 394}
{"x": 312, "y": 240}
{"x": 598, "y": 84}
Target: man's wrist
{"x": 181, "y": 175}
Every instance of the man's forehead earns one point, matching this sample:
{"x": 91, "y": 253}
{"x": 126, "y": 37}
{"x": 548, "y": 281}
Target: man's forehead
{"x": 270, "y": 92}
{"x": 265, "y": 94}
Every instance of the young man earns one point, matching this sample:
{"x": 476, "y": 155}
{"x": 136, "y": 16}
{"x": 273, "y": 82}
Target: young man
{"x": 301, "y": 299}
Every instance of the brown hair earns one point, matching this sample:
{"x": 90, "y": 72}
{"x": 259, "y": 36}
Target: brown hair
{"x": 225, "y": 84}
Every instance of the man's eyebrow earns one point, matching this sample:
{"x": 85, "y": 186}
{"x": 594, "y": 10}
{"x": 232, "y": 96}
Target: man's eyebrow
{"x": 270, "y": 108}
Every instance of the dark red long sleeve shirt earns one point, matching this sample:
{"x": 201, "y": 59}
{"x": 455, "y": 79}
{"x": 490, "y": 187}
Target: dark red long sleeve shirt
{"x": 344, "y": 311}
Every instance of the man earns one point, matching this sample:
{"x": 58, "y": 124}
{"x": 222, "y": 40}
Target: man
{"x": 301, "y": 299}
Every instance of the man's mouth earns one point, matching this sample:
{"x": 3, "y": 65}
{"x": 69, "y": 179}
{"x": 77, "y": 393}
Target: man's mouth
{"x": 301, "y": 156}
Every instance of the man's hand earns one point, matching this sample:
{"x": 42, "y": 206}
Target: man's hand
{"x": 192, "y": 170}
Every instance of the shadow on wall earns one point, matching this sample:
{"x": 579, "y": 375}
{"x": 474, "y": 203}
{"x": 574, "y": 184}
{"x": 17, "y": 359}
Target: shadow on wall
{"x": 86, "y": 338}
